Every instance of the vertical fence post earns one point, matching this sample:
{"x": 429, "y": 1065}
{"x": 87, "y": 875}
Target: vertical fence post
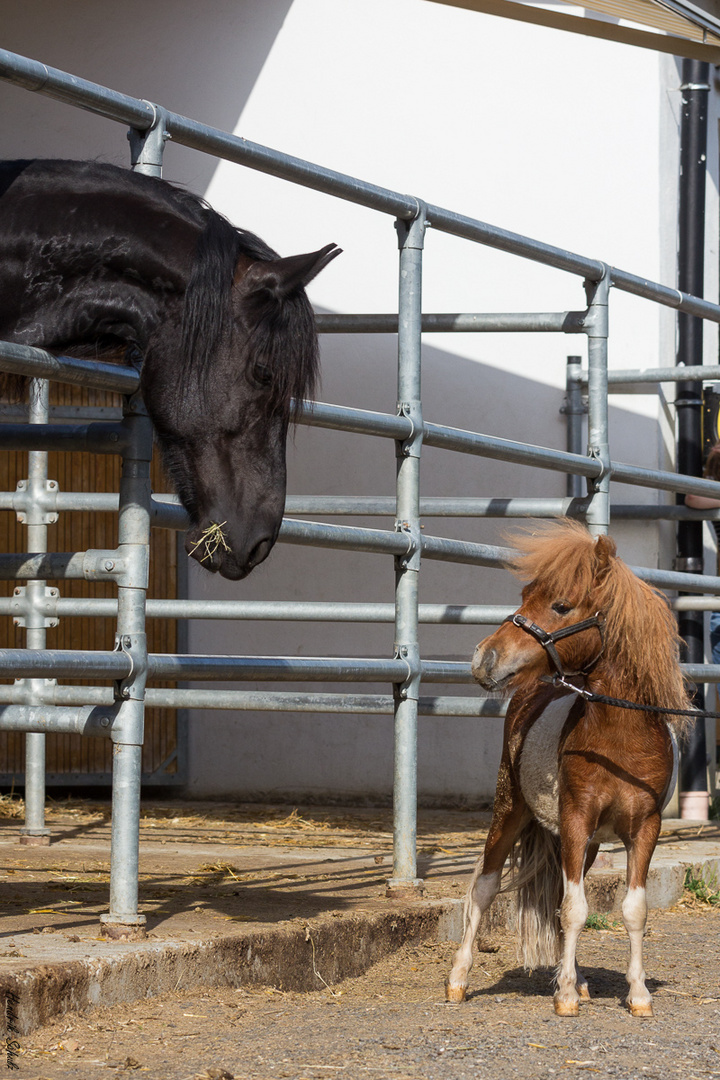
{"x": 411, "y": 236}
{"x": 688, "y": 403}
{"x": 596, "y": 328}
{"x": 34, "y": 831}
{"x": 123, "y": 920}
{"x": 574, "y": 411}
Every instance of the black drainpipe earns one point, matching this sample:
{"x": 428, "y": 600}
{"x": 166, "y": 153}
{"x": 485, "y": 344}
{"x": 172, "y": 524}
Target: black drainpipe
{"x": 691, "y": 245}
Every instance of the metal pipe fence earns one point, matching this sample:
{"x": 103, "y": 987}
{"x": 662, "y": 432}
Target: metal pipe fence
{"x": 36, "y": 703}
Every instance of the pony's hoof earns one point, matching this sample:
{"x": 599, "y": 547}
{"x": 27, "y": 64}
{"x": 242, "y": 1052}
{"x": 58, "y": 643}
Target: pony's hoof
{"x": 640, "y": 1008}
{"x": 566, "y": 1008}
{"x": 454, "y": 994}
{"x": 584, "y": 992}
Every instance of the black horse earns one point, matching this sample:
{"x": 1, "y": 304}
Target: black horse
{"x": 97, "y": 260}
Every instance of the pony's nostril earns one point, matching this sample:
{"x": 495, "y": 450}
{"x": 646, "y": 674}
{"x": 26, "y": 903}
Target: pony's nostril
{"x": 483, "y": 660}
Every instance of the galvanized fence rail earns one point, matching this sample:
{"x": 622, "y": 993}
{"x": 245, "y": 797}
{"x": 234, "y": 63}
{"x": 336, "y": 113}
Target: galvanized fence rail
{"x": 36, "y": 704}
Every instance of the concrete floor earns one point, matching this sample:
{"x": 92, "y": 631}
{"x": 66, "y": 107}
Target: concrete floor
{"x": 242, "y": 895}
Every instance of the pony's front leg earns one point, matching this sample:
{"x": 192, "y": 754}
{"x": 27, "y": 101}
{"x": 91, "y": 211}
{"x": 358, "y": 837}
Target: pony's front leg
{"x": 581, "y": 983}
{"x": 484, "y": 886}
{"x": 634, "y": 913}
{"x": 571, "y": 987}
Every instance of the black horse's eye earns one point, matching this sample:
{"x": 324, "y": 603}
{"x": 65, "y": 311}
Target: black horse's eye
{"x": 562, "y": 607}
{"x": 262, "y": 374}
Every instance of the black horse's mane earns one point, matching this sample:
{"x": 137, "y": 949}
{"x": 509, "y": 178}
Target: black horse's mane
{"x": 283, "y": 338}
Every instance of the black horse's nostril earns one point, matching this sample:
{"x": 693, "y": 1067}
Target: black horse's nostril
{"x": 260, "y": 552}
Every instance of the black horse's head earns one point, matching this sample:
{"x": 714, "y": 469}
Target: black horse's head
{"x": 100, "y": 260}
{"x": 223, "y": 423}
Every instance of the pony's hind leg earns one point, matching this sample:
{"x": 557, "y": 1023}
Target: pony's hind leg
{"x": 484, "y": 886}
{"x": 634, "y": 913}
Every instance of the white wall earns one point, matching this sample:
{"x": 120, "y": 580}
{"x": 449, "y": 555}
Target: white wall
{"x": 566, "y": 139}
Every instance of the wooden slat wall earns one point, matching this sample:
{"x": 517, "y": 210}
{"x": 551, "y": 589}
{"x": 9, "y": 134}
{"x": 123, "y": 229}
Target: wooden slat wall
{"x": 72, "y": 755}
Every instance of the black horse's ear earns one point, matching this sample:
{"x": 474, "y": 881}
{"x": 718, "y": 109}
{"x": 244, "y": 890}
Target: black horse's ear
{"x": 605, "y": 552}
{"x": 283, "y": 277}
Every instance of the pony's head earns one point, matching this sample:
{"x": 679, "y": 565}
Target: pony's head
{"x": 572, "y": 576}
{"x": 223, "y": 424}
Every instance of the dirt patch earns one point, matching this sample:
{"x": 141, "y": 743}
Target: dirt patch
{"x": 392, "y": 1022}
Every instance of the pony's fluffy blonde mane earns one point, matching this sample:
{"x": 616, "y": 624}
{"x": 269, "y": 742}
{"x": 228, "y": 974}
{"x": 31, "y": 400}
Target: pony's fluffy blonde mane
{"x": 641, "y": 653}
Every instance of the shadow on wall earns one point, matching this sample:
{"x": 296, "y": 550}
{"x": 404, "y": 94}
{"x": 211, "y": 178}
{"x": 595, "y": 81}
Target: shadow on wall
{"x": 170, "y": 52}
{"x": 350, "y": 756}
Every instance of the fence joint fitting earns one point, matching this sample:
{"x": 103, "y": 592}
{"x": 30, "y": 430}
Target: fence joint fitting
{"x": 409, "y": 688}
{"x": 35, "y": 502}
{"x": 412, "y": 445}
{"x": 34, "y": 691}
{"x": 148, "y": 144}
{"x": 595, "y": 322}
{"x": 410, "y": 558}
{"x": 411, "y": 231}
{"x": 599, "y": 454}
{"x": 132, "y": 686}
{"x": 33, "y": 610}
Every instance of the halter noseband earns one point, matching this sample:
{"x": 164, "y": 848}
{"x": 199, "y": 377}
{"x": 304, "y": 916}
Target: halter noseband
{"x": 548, "y": 640}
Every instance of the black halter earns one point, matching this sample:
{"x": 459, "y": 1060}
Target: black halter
{"x": 548, "y": 640}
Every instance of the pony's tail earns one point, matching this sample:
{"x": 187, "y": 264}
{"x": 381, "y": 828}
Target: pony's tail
{"x": 536, "y": 875}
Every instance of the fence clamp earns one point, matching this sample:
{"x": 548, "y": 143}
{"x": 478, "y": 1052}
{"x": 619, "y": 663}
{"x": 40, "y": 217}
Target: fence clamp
{"x": 411, "y": 446}
{"x": 410, "y": 559}
{"x": 409, "y": 688}
{"x": 600, "y": 454}
{"x": 132, "y": 686}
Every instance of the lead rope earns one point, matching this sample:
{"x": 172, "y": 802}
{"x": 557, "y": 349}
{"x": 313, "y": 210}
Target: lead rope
{"x": 621, "y": 703}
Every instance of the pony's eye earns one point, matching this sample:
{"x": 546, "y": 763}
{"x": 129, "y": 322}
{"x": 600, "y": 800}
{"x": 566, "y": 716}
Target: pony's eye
{"x": 561, "y": 607}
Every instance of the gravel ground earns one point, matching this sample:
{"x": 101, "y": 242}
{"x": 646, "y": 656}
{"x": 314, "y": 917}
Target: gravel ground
{"x": 393, "y": 1021}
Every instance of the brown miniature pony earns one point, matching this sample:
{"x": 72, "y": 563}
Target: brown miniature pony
{"x": 576, "y": 773}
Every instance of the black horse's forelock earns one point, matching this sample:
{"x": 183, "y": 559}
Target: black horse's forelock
{"x": 283, "y": 341}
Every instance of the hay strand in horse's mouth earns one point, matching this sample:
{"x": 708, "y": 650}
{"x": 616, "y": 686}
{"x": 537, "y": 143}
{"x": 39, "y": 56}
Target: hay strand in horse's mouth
{"x": 213, "y": 538}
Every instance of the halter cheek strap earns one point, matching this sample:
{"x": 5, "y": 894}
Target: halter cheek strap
{"x": 548, "y": 640}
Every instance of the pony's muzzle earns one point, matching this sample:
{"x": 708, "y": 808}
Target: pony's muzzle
{"x": 483, "y": 664}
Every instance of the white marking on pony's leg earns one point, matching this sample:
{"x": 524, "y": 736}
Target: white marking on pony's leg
{"x": 634, "y": 913}
{"x": 483, "y": 890}
{"x": 573, "y": 914}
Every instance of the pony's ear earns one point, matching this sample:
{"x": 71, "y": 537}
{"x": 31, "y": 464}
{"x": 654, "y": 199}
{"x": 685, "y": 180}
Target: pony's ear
{"x": 605, "y": 552}
{"x": 283, "y": 277}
